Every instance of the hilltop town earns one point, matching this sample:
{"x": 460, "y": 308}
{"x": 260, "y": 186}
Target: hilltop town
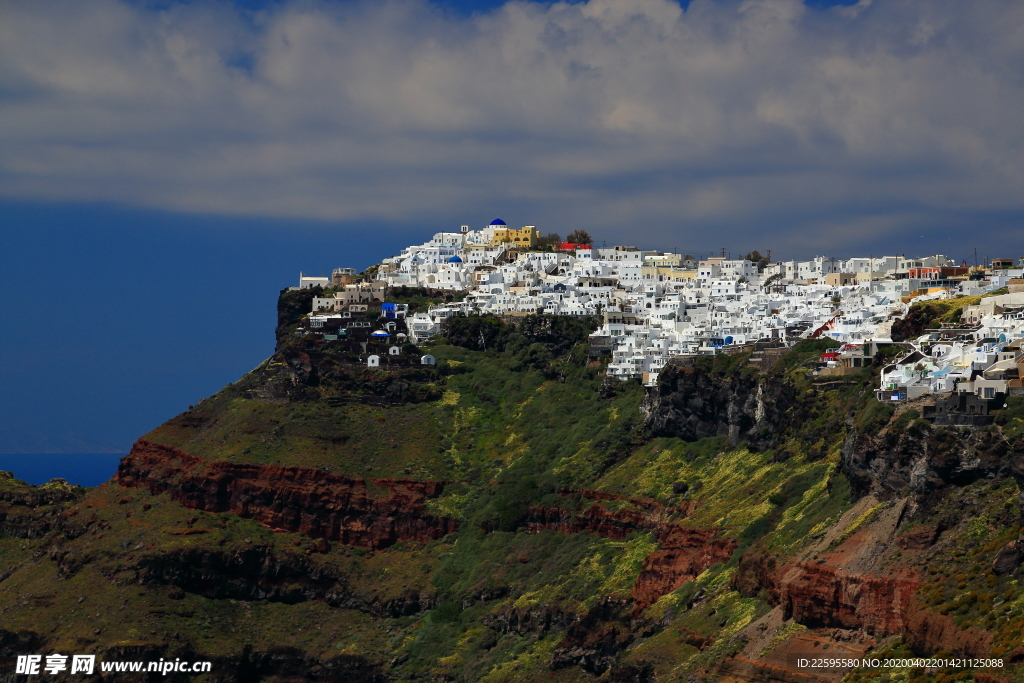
{"x": 428, "y": 481}
{"x": 655, "y": 305}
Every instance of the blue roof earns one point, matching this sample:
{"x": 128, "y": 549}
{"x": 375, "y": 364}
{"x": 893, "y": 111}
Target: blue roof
{"x": 498, "y": 221}
{"x": 454, "y": 259}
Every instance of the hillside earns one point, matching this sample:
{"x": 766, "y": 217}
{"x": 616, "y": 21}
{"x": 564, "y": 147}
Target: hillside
{"x": 508, "y": 514}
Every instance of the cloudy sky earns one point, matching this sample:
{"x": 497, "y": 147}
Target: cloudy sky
{"x": 826, "y": 128}
{"x": 137, "y": 135}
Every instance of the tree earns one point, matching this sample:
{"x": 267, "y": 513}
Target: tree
{"x": 549, "y": 240}
{"x": 774, "y": 278}
{"x": 757, "y": 259}
{"x": 579, "y": 237}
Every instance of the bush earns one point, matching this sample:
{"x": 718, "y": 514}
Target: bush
{"x": 873, "y": 417}
{"x": 477, "y": 332}
{"x": 446, "y": 612}
{"x": 899, "y": 425}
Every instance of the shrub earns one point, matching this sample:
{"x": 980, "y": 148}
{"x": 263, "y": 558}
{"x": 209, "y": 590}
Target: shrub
{"x": 873, "y": 417}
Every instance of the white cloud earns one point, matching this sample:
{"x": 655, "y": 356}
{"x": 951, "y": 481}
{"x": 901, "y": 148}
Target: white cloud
{"x": 731, "y": 116}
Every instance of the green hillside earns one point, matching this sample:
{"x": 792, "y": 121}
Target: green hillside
{"x": 510, "y": 514}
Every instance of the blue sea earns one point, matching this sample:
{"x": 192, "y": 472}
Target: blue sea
{"x": 83, "y": 469}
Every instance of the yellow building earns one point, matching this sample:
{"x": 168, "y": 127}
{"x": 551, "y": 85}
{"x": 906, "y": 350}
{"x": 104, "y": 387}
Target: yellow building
{"x": 525, "y": 236}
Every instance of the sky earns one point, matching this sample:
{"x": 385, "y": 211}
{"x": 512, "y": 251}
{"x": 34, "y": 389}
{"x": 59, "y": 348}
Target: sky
{"x": 168, "y": 167}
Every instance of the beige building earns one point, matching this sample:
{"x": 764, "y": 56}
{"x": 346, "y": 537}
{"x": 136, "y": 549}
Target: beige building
{"x": 359, "y": 294}
{"x": 841, "y": 279}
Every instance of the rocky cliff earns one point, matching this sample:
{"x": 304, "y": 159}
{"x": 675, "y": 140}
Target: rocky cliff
{"x": 511, "y": 515}
{"x": 683, "y": 552}
{"x": 908, "y": 455}
{"x": 693, "y": 401}
{"x": 312, "y": 502}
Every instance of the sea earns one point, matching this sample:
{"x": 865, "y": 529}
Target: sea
{"x": 82, "y": 469}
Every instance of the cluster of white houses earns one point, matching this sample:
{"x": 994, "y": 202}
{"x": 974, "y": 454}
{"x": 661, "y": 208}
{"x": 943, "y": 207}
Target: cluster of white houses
{"x": 657, "y": 305}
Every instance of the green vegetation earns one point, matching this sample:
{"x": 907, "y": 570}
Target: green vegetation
{"x": 529, "y": 439}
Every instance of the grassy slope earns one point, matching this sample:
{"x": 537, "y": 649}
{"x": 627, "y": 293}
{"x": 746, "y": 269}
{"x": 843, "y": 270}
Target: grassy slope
{"x": 511, "y": 429}
{"x": 509, "y": 437}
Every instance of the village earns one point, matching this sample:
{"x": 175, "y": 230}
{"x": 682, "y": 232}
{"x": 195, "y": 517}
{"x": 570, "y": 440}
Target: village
{"x": 655, "y": 306}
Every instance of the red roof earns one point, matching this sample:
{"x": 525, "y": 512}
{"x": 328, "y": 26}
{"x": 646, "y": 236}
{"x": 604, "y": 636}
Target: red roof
{"x": 571, "y": 246}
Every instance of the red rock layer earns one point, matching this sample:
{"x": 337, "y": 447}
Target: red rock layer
{"x": 600, "y": 520}
{"x": 822, "y": 595}
{"x": 308, "y": 501}
{"x": 645, "y": 514}
{"x": 683, "y": 553}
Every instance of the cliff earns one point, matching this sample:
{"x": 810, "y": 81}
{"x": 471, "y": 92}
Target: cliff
{"x": 314, "y": 503}
{"x": 511, "y": 515}
{"x": 910, "y": 456}
{"x": 683, "y": 552}
{"x": 693, "y": 401}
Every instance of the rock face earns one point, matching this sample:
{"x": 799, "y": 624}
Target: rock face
{"x": 32, "y": 511}
{"x": 846, "y": 588}
{"x": 923, "y": 460}
{"x": 691, "y": 403}
{"x": 258, "y": 573}
{"x": 683, "y": 553}
{"x": 1008, "y": 558}
{"x": 641, "y": 515}
{"x": 825, "y": 596}
{"x": 821, "y": 595}
{"x": 308, "y": 501}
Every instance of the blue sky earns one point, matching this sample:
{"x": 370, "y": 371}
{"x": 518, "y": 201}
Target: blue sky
{"x": 169, "y": 166}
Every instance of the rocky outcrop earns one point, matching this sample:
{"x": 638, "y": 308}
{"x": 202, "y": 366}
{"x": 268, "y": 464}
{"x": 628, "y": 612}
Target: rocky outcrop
{"x": 534, "y": 620}
{"x": 914, "y": 458}
{"x": 633, "y": 514}
{"x": 13, "y": 644}
{"x": 28, "y": 511}
{"x": 691, "y": 402}
{"x": 312, "y": 502}
{"x": 682, "y": 554}
{"x": 305, "y": 372}
{"x": 260, "y": 573}
{"x": 821, "y": 595}
{"x": 16, "y": 492}
{"x": 1008, "y": 558}
{"x": 594, "y": 640}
